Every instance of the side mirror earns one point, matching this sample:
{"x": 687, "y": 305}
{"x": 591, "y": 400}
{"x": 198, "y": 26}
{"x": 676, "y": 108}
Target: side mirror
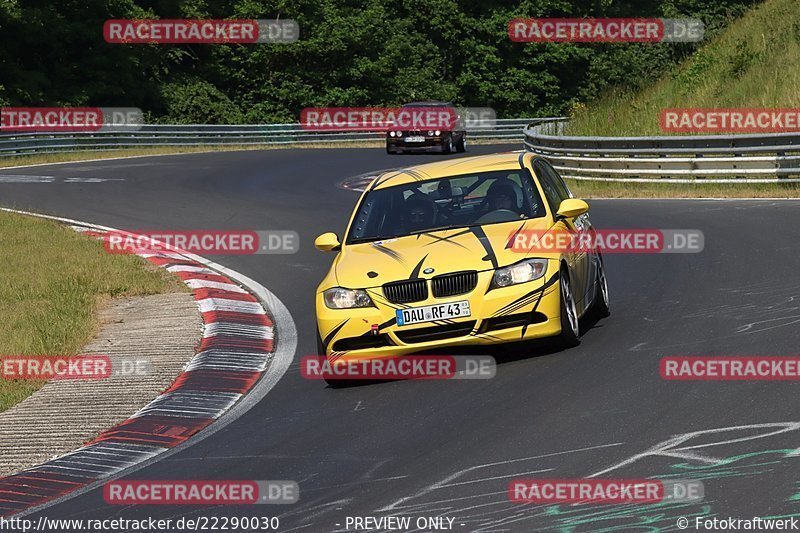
{"x": 327, "y": 242}
{"x": 572, "y": 207}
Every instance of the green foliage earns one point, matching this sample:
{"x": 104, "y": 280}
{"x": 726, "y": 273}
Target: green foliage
{"x": 198, "y": 102}
{"x": 755, "y": 62}
{"x": 350, "y": 53}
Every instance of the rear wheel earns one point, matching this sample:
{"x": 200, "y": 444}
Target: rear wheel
{"x": 569, "y": 314}
{"x": 461, "y": 145}
{"x": 600, "y": 305}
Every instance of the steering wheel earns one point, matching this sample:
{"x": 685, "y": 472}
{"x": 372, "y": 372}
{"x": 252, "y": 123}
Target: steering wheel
{"x": 498, "y": 215}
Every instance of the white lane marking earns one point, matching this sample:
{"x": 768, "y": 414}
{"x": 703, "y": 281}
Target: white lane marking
{"x": 91, "y": 180}
{"x": 118, "y": 158}
{"x": 234, "y": 306}
{"x": 399, "y": 504}
{"x": 162, "y": 254}
{"x": 15, "y": 178}
{"x": 206, "y": 284}
{"x": 190, "y": 268}
{"x": 241, "y": 330}
{"x": 23, "y": 178}
{"x": 671, "y": 448}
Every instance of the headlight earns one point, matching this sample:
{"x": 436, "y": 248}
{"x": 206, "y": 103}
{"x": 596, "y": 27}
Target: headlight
{"x": 339, "y": 298}
{"x": 430, "y": 133}
{"x": 399, "y": 133}
{"x": 521, "y": 272}
{"x": 391, "y": 134}
{"x": 437, "y": 133}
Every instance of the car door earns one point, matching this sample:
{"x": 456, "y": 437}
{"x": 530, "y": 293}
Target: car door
{"x": 579, "y": 259}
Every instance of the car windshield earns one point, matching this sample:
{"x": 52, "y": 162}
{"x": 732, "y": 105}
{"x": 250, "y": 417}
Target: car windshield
{"x": 446, "y": 203}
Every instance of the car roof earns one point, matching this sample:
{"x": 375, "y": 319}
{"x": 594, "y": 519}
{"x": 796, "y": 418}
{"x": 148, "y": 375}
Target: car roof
{"x": 450, "y": 167}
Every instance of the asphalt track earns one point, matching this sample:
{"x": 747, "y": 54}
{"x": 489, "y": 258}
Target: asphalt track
{"x": 450, "y": 448}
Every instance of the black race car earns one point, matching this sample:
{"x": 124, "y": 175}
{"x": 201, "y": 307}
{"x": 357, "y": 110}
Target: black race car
{"x": 444, "y": 138}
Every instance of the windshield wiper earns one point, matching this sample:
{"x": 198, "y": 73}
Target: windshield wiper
{"x": 372, "y": 239}
{"x": 440, "y": 228}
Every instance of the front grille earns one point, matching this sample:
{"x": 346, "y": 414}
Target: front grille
{"x": 436, "y": 333}
{"x": 453, "y": 284}
{"x": 403, "y": 292}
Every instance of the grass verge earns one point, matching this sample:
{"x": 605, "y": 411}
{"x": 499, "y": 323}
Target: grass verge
{"x": 754, "y": 63}
{"x": 601, "y": 189}
{"x": 53, "y": 282}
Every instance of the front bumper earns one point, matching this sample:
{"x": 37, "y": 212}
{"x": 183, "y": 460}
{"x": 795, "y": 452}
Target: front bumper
{"x": 519, "y": 312}
{"x": 430, "y": 144}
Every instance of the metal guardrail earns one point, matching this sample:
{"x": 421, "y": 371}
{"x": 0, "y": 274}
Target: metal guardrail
{"x": 762, "y": 158}
{"x": 15, "y": 144}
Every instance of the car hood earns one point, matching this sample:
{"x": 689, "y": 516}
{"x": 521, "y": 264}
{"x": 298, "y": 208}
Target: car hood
{"x": 476, "y": 248}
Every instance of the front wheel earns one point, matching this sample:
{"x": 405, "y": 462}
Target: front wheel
{"x": 448, "y": 148}
{"x": 569, "y": 314}
{"x": 461, "y": 145}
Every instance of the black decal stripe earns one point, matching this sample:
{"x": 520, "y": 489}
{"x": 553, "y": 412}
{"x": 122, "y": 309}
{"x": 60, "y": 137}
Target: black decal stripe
{"x": 336, "y": 355}
{"x": 522, "y": 300}
{"x": 514, "y": 235}
{"x": 488, "y": 336}
{"x": 383, "y": 178}
{"x": 437, "y": 239}
{"x": 388, "y": 323}
{"x": 383, "y": 301}
{"x": 415, "y": 272}
{"x": 512, "y": 308}
{"x": 333, "y": 333}
{"x": 417, "y": 176}
{"x": 391, "y": 253}
{"x": 517, "y": 304}
{"x": 487, "y": 245}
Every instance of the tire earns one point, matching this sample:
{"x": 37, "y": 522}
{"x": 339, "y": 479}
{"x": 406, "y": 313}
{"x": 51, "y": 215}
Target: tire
{"x": 461, "y": 145}
{"x": 389, "y": 150}
{"x": 333, "y": 383}
{"x": 570, "y": 328}
{"x": 448, "y": 148}
{"x": 600, "y": 305}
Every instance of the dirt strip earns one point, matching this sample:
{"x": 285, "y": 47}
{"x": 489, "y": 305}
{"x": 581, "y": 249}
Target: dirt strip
{"x": 61, "y": 416}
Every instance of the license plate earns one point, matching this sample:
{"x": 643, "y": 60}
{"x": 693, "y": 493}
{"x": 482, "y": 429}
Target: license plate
{"x": 429, "y": 313}
{"x": 415, "y": 139}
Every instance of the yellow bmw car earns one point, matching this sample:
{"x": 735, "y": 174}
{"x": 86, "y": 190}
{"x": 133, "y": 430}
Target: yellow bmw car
{"x": 428, "y": 262}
